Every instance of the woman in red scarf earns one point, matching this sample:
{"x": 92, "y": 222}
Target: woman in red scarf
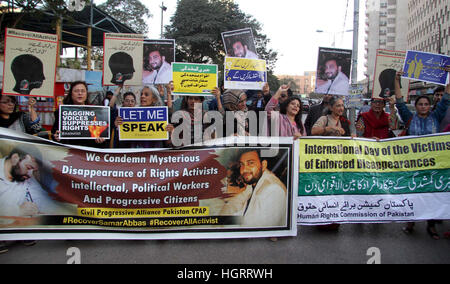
{"x": 376, "y": 123}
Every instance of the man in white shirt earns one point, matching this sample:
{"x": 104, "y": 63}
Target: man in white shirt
{"x": 337, "y": 82}
{"x": 15, "y": 197}
{"x": 20, "y": 193}
{"x": 161, "y": 71}
{"x": 241, "y": 50}
{"x": 264, "y": 201}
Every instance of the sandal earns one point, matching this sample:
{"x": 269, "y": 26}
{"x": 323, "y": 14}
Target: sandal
{"x": 432, "y": 232}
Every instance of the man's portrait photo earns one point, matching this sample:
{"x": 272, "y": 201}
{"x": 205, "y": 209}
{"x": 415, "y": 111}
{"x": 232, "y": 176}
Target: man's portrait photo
{"x": 158, "y": 58}
{"x": 25, "y": 183}
{"x": 333, "y": 71}
{"x": 240, "y": 44}
{"x": 258, "y": 186}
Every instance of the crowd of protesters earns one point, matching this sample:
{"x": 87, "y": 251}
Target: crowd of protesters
{"x": 283, "y": 108}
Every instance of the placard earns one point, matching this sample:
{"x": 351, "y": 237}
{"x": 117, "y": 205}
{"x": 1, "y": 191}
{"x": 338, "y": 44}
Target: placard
{"x": 194, "y": 79}
{"x": 426, "y": 67}
{"x": 159, "y": 54}
{"x": 84, "y": 122}
{"x": 144, "y": 124}
{"x": 122, "y": 59}
{"x": 247, "y": 74}
{"x": 30, "y": 63}
{"x": 240, "y": 43}
{"x": 388, "y": 63}
{"x": 333, "y": 71}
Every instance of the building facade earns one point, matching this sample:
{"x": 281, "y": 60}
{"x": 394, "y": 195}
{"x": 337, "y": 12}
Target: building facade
{"x": 429, "y": 26}
{"x": 386, "y": 28}
{"x": 304, "y": 84}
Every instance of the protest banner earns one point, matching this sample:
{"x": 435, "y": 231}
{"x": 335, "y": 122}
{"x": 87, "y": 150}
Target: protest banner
{"x": 122, "y": 59}
{"x": 30, "y": 63}
{"x": 144, "y": 124}
{"x": 388, "y": 63}
{"x": 194, "y": 79}
{"x": 159, "y": 54}
{"x": 240, "y": 43}
{"x": 247, "y": 74}
{"x": 333, "y": 71}
{"x": 426, "y": 67}
{"x": 186, "y": 193}
{"x": 84, "y": 122}
{"x": 364, "y": 181}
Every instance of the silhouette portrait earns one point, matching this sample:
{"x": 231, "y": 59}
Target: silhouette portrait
{"x": 28, "y": 71}
{"x": 122, "y": 67}
{"x": 387, "y": 83}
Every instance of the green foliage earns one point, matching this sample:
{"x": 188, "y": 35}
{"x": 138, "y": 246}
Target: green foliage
{"x": 130, "y": 12}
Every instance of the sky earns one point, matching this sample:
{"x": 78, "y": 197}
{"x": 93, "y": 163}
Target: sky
{"x": 291, "y": 26}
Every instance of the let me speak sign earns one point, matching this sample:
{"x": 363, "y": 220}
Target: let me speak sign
{"x": 141, "y": 124}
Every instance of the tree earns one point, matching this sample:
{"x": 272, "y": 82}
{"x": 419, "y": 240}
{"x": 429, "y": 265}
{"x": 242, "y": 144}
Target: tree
{"x": 130, "y": 12}
{"x": 197, "y": 26}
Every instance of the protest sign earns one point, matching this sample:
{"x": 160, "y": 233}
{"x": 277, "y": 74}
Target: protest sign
{"x": 84, "y": 122}
{"x": 240, "y": 43}
{"x": 426, "y": 67}
{"x": 247, "y": 74}
{"x": 333, "y": 71}
{"x": 30, "y": 63}
{"x": 194, "y": 79}
{"x": 159, "y": 54}
{"x": 122, "y": 59}
{"x": 144, "y": 124}
{"x": 186, "y": 193}
{"x": 363, "y": 181}
{"x": 388, "y": 63}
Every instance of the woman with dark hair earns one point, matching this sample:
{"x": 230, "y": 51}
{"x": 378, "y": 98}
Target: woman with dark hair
{"x": 290, "y": 115}
{"x": 334, "y": 123}
{"x": 78, "y": 96}
{"x": 424, "y": 122}
{"x": 29, "y": 123}
{"x": 192, "y": 114}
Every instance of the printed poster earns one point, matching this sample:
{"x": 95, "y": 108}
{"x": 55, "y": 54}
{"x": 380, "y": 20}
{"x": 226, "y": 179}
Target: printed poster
{"x": 247, "y": 74}
{"x": 84, "y": 122}
{"x": 189, "y": 193}
{"x": 30, "y": 63}
{"x": 159, "y": 54}
{"x": 388, "y": 63}
{"x": 194, "y": 79}
{"x": 426, "y": 67}
{"x": 333, "y": 71}
{"x": 144, "y": 124}
{"x": 361, "y": 181}
{"x": 240, "y": 43}
{"x": 123, "y": 57}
